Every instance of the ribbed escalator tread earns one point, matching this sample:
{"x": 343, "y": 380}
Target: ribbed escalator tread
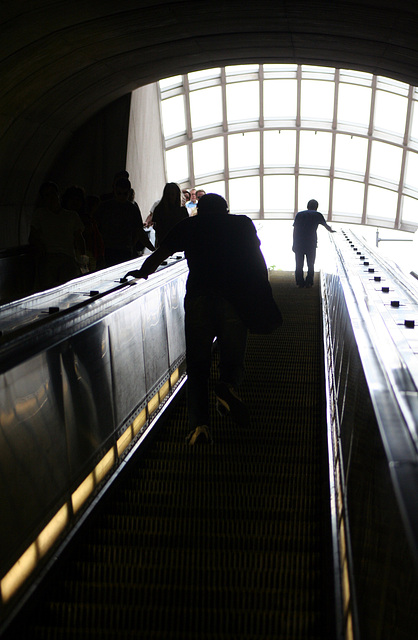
{"x": 216, "y": 542}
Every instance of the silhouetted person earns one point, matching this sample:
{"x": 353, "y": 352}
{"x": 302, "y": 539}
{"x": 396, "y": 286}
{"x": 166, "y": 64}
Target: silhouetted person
{"x": 227, "y": 293}
{"x": 116, "y": 177}
{"x": 120, "y": 225}
{"x": 305, "y": 241}
{"x": 57, "y": 236}
{"x": 92, "y": 235}
{"x": 74, "y": 199}
{"x": 168, "y": 212}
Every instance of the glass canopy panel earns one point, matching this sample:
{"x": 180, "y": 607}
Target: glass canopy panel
{"x": 385, "y": 161}
{"x": 390, "y": 112}
{"x": 394, "y": 86}
{"x": 177, "y": 165}
{"x": 315, "y": 149}
{"x": 173, "y": 117}
{"x": 244, "y": 195}
{"x": 280, "y": 99}
{"x": 244, "y": 150}
{"x": 317, "y": 73}
{"x": 280, "y": 70}
{"x": 354, "y": 104}
{"x": 411, "y": 173}
{"x": 196, "y": 76}
{"x": 381, "y": 203}
{"x": 348, "y": 198}
{"x": 317, "y": 100}
{"x": 239, "y": 69}
{"x": 409, "y": 210}
{"x": 278, "y": 94}
{"x": 206, "y": 107}
{"x": 350, "y": 153}
{"x": 242, "y": 101}
{"x": 312, "y": 187}
{"x": 208, "y": 156}
{"x": 356, "y": 77}
{"x": 214, "y": 187}
{"x": 279, "y": 194}
{"x": 174, "y": 81}
{"x": 279, "y": 148}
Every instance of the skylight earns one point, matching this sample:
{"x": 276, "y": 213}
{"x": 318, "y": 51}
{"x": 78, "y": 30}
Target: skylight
{"x": 271, "y": 137}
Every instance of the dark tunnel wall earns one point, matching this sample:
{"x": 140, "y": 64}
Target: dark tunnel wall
{"x": 62, "y": 62}
{"x": 96, "y": 151}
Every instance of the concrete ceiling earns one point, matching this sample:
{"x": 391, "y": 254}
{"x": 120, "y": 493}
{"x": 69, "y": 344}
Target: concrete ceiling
{"x": 61, "y": 62}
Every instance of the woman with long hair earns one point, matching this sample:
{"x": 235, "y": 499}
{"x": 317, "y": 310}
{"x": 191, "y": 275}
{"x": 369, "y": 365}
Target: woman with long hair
{"x": 168, "y": 212}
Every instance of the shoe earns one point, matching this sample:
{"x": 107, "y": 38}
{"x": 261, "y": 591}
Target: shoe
{"x": 228, "y": 403}
{"x": 200, "y": 435}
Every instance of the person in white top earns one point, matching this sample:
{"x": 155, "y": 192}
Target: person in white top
{"x": 191, "y": 206}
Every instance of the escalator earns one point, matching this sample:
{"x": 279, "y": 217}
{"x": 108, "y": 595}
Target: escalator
{"x": 229, "y": 540}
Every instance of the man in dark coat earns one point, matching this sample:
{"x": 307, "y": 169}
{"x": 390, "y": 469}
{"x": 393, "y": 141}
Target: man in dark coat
{"x": 120, "y": 224}
{"x": 225, "y": 267}
{"x": 305, "y": 241}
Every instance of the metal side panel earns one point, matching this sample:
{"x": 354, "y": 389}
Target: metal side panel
{"x": 174, "y": 305}
{"x": 34, "y": 466}
{"x": 154, "y": 336}
{"x": 127, "y": 355}
{"x": 88, "y": 394}
{"x": 374, "y": 470}
{"x": 69, "y": 387}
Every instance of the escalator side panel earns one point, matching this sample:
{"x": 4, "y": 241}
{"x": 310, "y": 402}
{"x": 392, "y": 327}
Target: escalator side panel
{"x": 34, "y": 464}
{"x": 377, "y": 550}
{"x": 88, "y": 398}
{"x": 154, "y": 336}
{"x": 127, "y": 352}
{"x": 174, "y": 300}
{"x": 63, "y": 409}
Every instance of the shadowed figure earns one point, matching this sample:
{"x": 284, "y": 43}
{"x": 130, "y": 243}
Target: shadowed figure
{"x": 120, "y": 224}
{"x": 305, "y": 241}
{"x": 227, "y": 294}
{"x": 168, "y": 212}
{"x": 56, "y": 234}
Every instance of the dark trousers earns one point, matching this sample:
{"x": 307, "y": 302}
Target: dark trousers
{"x": 310, "y": 260}
{"x": 206, "y": 318}
{"x": 116, "y": 256}
{"x": 55, "y": 269}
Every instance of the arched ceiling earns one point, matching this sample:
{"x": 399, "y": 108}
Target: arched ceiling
{"x": 60, "y": 61}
